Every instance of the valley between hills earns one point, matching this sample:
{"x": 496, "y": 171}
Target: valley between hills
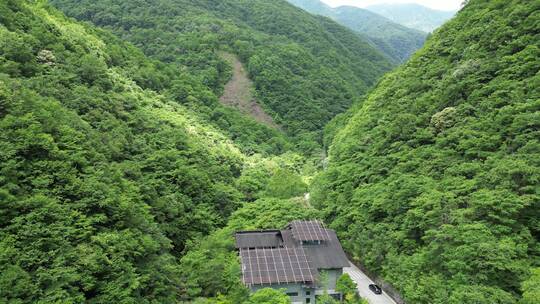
{"x": 138, "y": 136}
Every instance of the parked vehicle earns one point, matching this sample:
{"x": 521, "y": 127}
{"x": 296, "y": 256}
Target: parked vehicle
{"x": 375, "y": 288}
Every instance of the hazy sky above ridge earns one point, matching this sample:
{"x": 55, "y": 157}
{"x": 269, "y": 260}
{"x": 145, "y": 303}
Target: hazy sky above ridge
{"x": 444, "y": 5}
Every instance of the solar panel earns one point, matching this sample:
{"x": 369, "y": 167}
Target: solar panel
{"x": 309, "y": 231}
{"x": 276, "y": 265}
{"x": 258, "y": 239}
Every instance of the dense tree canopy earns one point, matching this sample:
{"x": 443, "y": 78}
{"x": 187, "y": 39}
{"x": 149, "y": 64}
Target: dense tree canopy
{"x": 104, "y": 177}
{"x": 531, "y": 288}
{"x": 433, "y": 181}
{"x": 348, "y": 288}
{"x": 305, "y": 69}
{"x": 123, "y": 179}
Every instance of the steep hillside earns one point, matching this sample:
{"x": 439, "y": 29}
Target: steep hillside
{"x": 305, "y": 69}
{"x": 238, "y": 92}
{"x": 413, "y": 15}
{"x": 433, "y": 183}
{"x": 123, "y": 176}
{"x": 396, "y": 41}
{"x": 109, "y": 166}
{"x": 195, "y": 56}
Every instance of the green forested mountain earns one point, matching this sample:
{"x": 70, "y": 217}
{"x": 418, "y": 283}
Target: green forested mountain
{"x": 109, "y": 164}
{"x": 306, "y": 69}
{"x": 196, "y": 81}
{"x": 394, "y": 40}
{"x": 413, "y": 15}
{"x": 123, "y": 178}
{"x": 434, "y": 181}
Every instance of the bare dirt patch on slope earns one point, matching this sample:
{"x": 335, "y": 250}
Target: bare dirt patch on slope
{"x": 238, "y": 93}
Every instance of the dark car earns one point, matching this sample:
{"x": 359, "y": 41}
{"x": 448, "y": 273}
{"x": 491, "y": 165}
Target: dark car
{"x": 375, "y": 288}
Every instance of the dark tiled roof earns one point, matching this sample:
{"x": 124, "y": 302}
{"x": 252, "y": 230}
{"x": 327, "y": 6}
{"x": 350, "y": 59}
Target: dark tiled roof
{"x": 258, "y": 239}
{"x": 326, "y": 255}
{"x": 277, "y": 265}
{"x": 285, "y": 258}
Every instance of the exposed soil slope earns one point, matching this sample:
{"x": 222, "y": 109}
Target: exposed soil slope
{"x": 238, "y": 92}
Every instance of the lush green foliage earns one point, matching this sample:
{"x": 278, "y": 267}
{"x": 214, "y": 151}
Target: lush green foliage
{"x": 190, "y": 73}
{"x": 111, "y": 163}
{"x": 305, "y": 69}
{"x": 103, "y": 178}
{"x": 269, "y": 296}
{"x": 531, "y": 288}
{"x": 325, "y": 298}
{"x": 347, "y": 287}
{"x": 345, "y": 284}
{"x": 122, "y": 178}
{"x": 262, "y": 296}
{"x": 433, "y": 183}
{"x": 285, "y": 184}
{"x": 394, "y": 40}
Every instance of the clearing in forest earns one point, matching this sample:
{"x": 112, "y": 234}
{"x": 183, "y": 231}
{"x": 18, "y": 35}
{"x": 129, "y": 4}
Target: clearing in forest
{"x": 238, "y": 92}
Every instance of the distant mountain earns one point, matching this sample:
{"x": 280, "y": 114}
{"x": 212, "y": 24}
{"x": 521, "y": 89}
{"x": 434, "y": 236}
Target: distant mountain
{"x": 313, "y": 6}
{"x": 394, "y": 40}
{"x": 413, "y": 15}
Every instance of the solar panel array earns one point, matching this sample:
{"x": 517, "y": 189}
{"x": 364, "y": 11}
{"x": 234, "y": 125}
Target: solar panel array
{"x": 309, "y": 231}
{"x": 277, "y": 265}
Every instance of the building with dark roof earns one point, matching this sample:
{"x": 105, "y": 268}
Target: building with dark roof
{"x": 305, "y": 259}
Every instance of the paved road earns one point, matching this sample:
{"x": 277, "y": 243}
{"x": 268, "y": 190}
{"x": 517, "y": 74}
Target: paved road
{"x": 363, "y": 282}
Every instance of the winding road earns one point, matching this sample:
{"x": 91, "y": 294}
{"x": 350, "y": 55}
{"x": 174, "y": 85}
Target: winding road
{"x": 363, "y": 281}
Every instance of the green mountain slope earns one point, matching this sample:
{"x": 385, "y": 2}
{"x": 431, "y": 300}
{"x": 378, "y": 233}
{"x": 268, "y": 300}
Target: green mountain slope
{"x": 123, "y": 177}
{"x": 433, "y": 182}
{"x": 109, "y": 164}
{"x": 413, "y": 15}
{"x": 305, "y": 69}
{"x": 396, "y": 41}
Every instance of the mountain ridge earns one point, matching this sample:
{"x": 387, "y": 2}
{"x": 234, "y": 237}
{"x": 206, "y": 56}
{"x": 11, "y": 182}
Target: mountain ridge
{"x": 413, "y": 15}
{"x": 396, "y": 41}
